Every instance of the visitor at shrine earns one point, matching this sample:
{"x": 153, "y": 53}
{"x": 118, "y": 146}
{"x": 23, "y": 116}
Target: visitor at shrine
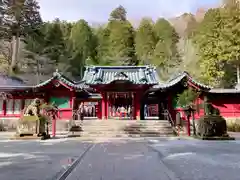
{"x": 129, "y": 112}
{"x": 145, "y": 110}
{"x": 81, "y": 111}
{"x": 122, "y": 111}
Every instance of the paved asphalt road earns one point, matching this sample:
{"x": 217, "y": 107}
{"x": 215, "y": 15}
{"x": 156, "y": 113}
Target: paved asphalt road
{"x": 160, "y": 159}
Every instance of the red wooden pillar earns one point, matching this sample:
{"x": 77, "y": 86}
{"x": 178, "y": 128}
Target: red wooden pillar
{"x": 73, "y": 105}
{"x": 103, "y": 106}
{"x": 54, "y": 126}
{"x": 188, "y": 127}
{"x": 133, "y": 106}
{"x": 137, "y": 106}
{"x": 106, "y": 105}
{"x": 22, "y": 105}
{"x": 4, "y": 107}
{"x": 170, "y": 107}
{"x": 98, "y": 109}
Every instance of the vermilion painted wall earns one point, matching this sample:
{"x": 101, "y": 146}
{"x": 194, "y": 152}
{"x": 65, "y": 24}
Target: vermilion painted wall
{"x": 229, "y": 106}
{"x": 198, "y": 113}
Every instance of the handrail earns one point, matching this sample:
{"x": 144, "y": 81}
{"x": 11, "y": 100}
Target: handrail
{"x": 169, "y": 117}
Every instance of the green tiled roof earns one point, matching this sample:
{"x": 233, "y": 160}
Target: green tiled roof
{"x": 177, "y": 79}
{"x": 108, "y": 74}
{"x": 63, "y": 79}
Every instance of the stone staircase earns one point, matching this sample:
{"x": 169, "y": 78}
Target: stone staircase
{"x": 126, "y": 128}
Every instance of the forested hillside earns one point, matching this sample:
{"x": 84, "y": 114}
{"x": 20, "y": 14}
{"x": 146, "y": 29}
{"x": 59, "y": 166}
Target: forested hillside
{"x": 206, "y": 44}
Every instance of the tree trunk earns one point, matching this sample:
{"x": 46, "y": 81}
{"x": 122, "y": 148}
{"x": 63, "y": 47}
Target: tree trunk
{"x": 38, "y": 71}
{"x": 206, "y": 109}
{"x": 238, "y": 74}
{"x": 15, "y": 53}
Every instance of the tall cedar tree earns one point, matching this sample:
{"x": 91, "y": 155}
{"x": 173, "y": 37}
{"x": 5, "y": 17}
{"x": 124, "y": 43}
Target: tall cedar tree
{"x": 35, "y": 58}
{"x": 118, "y": 14}
{"x": 145, "y": 41}
{"x": 230, "y": 35}
{"x": 102, "y": 36}
{"x": 83, "y": 46}
{"x": 121, "y": 39}
{"x": 209, "y": 40}
{"x": 54, "y": 42}
{"x": 191, "y": 26}
{"x": 19, "y": 17}
{"x": 166, "y": 53}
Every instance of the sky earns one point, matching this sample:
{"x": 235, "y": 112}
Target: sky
{"x": 99, "y": 10}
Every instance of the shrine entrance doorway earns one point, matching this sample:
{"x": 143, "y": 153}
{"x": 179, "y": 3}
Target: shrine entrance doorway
{"x": 121, "y": 105}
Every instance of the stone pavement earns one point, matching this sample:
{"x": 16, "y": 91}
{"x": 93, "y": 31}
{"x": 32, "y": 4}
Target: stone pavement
{"x": 236, "y": 135}
{"x": 115, "y": 159}
{"x": 200, "y": 160}
{"x": 34, "y": 160}
{"x": 121, "y": 161}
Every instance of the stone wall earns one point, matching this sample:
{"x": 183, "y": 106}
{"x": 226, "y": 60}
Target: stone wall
{"x": 233, "y": 120}
{"x": 10, "y": 124}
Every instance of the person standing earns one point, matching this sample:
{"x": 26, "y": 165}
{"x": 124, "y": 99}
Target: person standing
{"x": 81, "y": 111}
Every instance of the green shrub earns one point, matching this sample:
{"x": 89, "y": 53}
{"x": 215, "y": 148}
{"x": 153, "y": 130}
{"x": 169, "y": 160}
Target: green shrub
{"x": 212, "y": 125}
{"x": 234, "y": 127}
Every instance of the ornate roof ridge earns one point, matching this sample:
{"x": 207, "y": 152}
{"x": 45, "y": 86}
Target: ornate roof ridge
{"x": 121, "y": 67}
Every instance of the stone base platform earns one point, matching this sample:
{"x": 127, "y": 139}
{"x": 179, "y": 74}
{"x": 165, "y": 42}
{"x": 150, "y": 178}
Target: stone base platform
{"x": 29, "y": 137}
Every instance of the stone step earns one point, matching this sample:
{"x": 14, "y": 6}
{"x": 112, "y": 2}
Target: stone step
{"x": 104, "y": 134}
{"x": 123, "y": 121}
{"x": 125, "y": 128}
{"x": 130, "y": 124}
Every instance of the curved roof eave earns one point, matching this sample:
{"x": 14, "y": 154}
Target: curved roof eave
{"x": 178, "y": 79}
{"x": 56, "y": 75}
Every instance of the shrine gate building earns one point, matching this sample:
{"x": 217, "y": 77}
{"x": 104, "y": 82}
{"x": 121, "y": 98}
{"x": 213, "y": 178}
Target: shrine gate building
{"x": 114, "y": 92}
